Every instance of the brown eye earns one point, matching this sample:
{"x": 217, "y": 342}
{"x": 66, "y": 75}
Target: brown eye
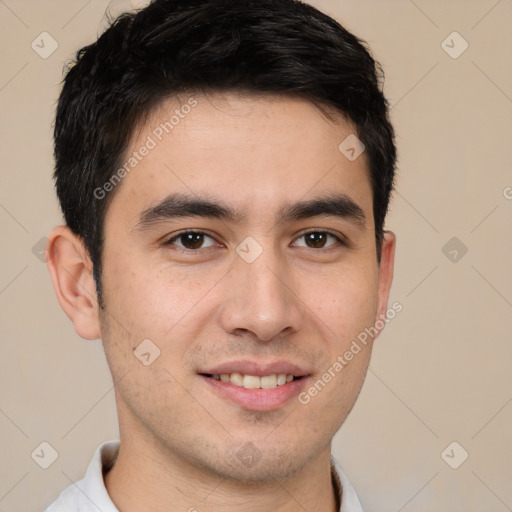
{"x": 319, "y": 239}
{"x": 191, "y": 240}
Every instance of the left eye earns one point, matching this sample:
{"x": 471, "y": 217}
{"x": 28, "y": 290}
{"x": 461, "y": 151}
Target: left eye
{"x": 317, "y": 239}
{"x": 193, "y": 240}
{"x": 190, "y": 239}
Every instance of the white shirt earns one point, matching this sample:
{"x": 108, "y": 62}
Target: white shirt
{"x": 90, "y": 493}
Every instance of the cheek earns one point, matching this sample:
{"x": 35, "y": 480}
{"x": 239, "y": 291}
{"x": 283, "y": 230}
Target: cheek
{"x": 345, "y": 300}
{"x": 350, "y": 306}
{"x": 147, "y": 298}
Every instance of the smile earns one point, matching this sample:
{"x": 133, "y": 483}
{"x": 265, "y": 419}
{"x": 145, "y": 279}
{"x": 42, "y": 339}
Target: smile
{"x": 254, "y": 381}
{"x": 264, "y": 392}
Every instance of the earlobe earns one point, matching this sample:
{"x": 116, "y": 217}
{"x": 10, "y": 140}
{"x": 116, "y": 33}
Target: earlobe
{"x": 71, "y": 272}
{"x": 387, "y": 262}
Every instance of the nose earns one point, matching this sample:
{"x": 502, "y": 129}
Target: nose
{"x": 261, "y": 297}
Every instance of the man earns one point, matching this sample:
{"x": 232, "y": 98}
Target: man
{"x": 224, "y": 168}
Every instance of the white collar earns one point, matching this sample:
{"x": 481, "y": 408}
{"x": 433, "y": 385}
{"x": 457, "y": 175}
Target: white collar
{"x": 90, "y": 493}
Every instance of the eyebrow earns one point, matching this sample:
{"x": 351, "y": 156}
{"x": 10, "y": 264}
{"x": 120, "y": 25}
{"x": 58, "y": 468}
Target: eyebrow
{"x": 185, "y": 205}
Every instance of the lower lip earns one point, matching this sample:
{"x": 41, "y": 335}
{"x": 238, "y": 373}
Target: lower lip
{"x": 257, "y": 399}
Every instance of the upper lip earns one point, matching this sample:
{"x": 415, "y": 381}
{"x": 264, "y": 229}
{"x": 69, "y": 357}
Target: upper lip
{"x": 259, "y": 369}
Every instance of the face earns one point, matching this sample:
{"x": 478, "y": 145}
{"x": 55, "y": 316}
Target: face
{"x": 220, "y": 254}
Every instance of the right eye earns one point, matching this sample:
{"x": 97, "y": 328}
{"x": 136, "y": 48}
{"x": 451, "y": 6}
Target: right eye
{"x": 189, "y": 240}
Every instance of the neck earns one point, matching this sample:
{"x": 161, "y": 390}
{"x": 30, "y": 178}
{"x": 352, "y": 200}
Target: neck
{"x": 144, "y": 474}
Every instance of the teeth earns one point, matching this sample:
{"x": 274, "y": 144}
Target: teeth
{"x": 237, "y": 379}
{"x": 269, "y": 381}
{"x": 281, "y": 379}
{"x": 250, "y": 382}
{"x": 255, "y": 382}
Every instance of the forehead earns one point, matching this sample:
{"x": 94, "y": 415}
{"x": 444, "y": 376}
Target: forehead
{"x": 254, "y": 151}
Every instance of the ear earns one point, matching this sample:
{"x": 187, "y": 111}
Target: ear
{"x": 387, "y": 262}
{"x": 70, "y": 269}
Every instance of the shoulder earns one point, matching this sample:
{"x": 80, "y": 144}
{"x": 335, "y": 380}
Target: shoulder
{"x": 68, "y": 501}
{"x": 349, "y": 499}
{"x": 89, "y": 493}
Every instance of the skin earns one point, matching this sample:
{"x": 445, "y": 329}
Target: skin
{"x": 296, "y": 302}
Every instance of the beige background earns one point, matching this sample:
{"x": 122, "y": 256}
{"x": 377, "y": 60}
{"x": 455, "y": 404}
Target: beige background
{"x": 440, "y": 372}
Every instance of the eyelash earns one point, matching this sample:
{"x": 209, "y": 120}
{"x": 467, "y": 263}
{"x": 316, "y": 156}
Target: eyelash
{"x": 338, "y": 238}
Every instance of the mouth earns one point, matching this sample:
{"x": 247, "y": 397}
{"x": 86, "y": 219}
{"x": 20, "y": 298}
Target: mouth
{"x": 252, "y": 386}
{"x": 254, "y": 381}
